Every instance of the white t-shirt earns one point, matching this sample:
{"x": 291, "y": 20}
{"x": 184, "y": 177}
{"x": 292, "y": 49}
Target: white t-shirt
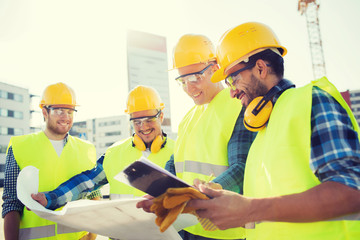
{"x": 58, "y": 146}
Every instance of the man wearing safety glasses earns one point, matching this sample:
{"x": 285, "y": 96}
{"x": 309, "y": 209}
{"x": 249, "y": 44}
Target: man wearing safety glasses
{"x": 211, "y": 137}
{"x": 302, "y": 175}
{"x": 56, "y": 154}
{"x": 146, "y": 116}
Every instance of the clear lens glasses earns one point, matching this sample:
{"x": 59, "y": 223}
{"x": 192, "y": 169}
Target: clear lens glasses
{"x": 193, "y": 78}
{"x": 235, "y": 76}
{"x": 137, "y": 122}
{"x": 62, "y": 111}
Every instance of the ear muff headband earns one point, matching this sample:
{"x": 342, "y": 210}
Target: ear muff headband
{"x": 158, "y": 143}
{"x": 257, "y": 114}
{"x": 258, "y": 111}
{"x": 138, "y": 143}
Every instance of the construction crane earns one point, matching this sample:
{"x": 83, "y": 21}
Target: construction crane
{"x": 311, "y": 8}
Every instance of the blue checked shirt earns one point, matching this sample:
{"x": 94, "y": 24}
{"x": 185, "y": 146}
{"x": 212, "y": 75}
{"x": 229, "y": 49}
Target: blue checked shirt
{"x": 335, "y": 152}
{"x": 335, "y": 148}
{"x": 238, "y": 148}
{"x": 12, "y": 170}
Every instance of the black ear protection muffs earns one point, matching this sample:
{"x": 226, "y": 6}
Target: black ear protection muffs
{"x": 158, "y": 143}
{"x": 258, "y": 111}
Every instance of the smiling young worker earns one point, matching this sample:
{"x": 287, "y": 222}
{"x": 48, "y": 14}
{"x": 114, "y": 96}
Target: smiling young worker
{"x": 146, "y": 116}
{"x": 211, "y": 136}
{"x": 56, "y": 154}
{"x": 302, "y": 174}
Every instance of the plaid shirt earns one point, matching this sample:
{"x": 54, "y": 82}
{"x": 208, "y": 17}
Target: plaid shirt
{"x": 238, "y": 148}
{"x": 79, "y": 186}
{"x": 335, "y": 148}
{"x": 12, "y": 170}
{"x": 335, "y": 151}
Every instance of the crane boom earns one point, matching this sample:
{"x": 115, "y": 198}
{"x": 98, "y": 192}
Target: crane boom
{"x": 310, "y": 8}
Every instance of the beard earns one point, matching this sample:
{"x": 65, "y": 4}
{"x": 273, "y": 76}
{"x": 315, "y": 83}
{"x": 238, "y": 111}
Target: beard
{"x": 53, "y": 127}
{"x": 257, "y": 88}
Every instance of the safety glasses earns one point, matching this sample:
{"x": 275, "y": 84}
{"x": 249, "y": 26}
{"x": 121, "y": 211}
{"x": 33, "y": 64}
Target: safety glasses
{"x": 193, "y": 78}
{"x": 144, "y": 120}
{"x": 60, "y": 111}
{"x": 235, "y": 76}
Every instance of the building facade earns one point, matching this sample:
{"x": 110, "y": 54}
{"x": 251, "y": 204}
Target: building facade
{"x": 355, "y": 103}
{"x": 14, "y": 118}
{"x": 102, "y": 132}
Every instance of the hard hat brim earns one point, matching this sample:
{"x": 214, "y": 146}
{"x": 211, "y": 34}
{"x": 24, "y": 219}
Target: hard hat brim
{"x": 218, "y": 76}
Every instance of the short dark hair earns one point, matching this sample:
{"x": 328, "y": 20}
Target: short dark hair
{"x": 275, "y": 60}
{"x": 47, "y": 110}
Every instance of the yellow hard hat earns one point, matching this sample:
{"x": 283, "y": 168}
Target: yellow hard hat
{"x": 192, "y": 49}
{"x": 58, "y": 93}
{"x": 143, "y": 98}
{"x": 241, "y": 42}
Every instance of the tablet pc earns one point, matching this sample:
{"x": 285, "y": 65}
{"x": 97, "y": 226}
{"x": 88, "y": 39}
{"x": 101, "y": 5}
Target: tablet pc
{"x": 149, "y": 177}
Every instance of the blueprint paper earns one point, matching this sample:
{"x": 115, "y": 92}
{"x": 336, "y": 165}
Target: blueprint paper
{"x": 116, "y": 218}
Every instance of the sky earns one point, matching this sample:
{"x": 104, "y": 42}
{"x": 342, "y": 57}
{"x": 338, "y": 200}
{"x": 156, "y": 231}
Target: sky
{"x": 83, "y": 43}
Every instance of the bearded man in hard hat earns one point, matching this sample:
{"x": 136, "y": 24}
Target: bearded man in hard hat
{"x": 56, "y": 154}
{"x": 145, "y": 107}
{"x": 302, "y": 175}
{"x": 211, "y": 137}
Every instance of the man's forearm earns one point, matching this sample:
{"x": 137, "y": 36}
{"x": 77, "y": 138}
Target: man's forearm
{"x": 325, "y": 201}
{"x": 77, "y": 187}
{"x": 11, "y": 225}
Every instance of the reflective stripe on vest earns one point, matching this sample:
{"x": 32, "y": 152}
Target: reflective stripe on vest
{"x": 278, "y": 164}
{"x": 37, "y": 232}
{"x": 121, "y": 154}
{"x": 201, "y": 148}
{"x": 36, "y": 150}
{"x": 200, "y": 168}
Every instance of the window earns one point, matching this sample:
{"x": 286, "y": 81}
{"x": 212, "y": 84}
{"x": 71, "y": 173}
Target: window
{"x": 355, "y": 102}
{"x": 18, "y": 115}
{"x": 113, "y": 133}
{"x": 111, "y": 123}
{"x": 18, "y": 131}
{"x": 3, "y": 131}
{"x": 10, "y": 96}
{"x": 10, "y": 113}
{"x": 3, "y": 94}
{"x": 3, "y": 112}
{"x": 10, "y": 131}
{"x": 18, "y": 97}
{"x": 3, "y": 148}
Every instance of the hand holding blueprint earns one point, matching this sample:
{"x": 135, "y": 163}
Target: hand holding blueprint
{"x": 116, "y": 218}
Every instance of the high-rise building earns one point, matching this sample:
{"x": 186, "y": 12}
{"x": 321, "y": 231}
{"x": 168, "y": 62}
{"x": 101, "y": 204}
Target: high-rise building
{"x": 148, "y": 65}
{"x": 355, "y": 103}
{"x": 14, "y": 117}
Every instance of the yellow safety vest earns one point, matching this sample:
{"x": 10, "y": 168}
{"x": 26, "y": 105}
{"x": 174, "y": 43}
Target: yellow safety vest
{"x": 120, "y": 155}
{"x": 201, "y": 148}
{"x": 278, "y": 164}
{"x": 36, "y": 150}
